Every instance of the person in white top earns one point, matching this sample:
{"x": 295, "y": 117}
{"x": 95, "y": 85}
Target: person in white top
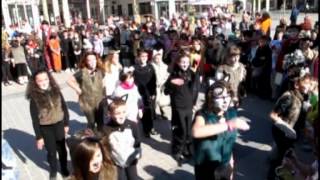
{"x": 126, "y": 86}
{"x": 112, "y": 68}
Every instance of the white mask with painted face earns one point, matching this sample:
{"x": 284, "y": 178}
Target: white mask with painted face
{"x": 221, "y": 101}
{"x": 184, "y": 63}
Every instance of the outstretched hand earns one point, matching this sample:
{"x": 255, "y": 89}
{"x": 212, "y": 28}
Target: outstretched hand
{"x": 241, "y": 123}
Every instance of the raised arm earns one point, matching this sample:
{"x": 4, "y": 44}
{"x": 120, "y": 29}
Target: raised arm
{"x": 202, "y": 130}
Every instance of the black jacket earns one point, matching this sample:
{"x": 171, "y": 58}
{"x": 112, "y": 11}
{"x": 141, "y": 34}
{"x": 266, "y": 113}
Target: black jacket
{"x": 145, "y": 79}
{"x": 184, "y": 96}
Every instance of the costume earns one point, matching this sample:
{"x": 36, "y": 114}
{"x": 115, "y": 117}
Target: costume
{"x": 237, "y": 75}
{"x": 134, "y": 101}
{"x": 162, "y": 101}
{"x": 183, "y": 98}
{"x": 50, "y": 115}
{"x": 56, "y": 58}
{"x": 288, "y": 107}
{"x": 145, "y": 79}
{"x": 214, "y": 151}
{"x": 92, "y": 94}
{"x": 124, "y": 144}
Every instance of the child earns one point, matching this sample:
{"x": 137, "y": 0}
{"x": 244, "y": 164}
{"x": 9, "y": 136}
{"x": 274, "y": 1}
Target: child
{"x": 214, "y": 133}
{"x": 127, "y": 87}
{"x": 123, "y": 140}
{"x": 50, "y": 119}
{"x": 90, "y": 161}
{"x": 235, "y": 69}
{"x": 145, "y": 79}
{"x": 182, "y": 88}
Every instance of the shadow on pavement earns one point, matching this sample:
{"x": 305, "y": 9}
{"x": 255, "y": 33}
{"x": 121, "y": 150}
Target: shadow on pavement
{"x": 24, "y": 145}
{"x": 163, "y": 147}
{"x": 160, "y": 174}
{"x": 75, "y": 125}
{"x": 260, "y": 122}
{"x": 74, "y": 106}
{"x": 163, "y": 126}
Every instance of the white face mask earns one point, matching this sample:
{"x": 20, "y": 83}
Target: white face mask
{"x": 184, "y": 63}
{"x": 223, "y": 100}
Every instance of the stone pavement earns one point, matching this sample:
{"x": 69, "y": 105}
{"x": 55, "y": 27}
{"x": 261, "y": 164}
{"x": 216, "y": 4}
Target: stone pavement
{"x": 156, "y": 162}
{"x": 17, "y": 129}
{"x": 250, "y": 152}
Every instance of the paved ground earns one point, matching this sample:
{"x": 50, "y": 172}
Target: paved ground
{"x": 156, "y": 162}
{"x": 251, "y": 150}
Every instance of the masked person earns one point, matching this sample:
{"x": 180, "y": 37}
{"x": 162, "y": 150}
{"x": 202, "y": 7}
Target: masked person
{"x": 214, "y": 132}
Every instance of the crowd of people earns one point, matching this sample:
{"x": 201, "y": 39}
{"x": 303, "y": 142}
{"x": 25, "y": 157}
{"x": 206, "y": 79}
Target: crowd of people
{"x": 126, "y": 75}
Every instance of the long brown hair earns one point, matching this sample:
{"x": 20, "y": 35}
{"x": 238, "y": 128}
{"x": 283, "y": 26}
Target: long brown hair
{"x": 32, "y": 86}
{"x": 83, "y": 62}
{"x": 82, "y": 156}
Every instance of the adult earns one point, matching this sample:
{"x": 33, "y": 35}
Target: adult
{"x": 45, "y": 31}
{"x": 235, "y": 69}
{"x": 55, "y": 52}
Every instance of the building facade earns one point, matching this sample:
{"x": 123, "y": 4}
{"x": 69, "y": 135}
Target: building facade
{"x": 16, "y": 11}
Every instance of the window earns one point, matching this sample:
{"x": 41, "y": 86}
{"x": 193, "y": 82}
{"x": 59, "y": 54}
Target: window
{"x": 106, "y": 10}
{"x": 145, "y": 8}
{"x": 113, "y": 10}
{"x": 130, "y": 10}
{"x": 119, "y": 10}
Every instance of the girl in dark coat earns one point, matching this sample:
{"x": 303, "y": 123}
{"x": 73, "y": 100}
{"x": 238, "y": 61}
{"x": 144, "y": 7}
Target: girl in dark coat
{"x": 50, "y": 119}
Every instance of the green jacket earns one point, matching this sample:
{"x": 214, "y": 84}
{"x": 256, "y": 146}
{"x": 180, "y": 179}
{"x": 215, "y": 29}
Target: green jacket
{"x": 217, "y": 147}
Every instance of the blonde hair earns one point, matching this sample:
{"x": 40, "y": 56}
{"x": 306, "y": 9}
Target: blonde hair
{"x": 107, "y": 62}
